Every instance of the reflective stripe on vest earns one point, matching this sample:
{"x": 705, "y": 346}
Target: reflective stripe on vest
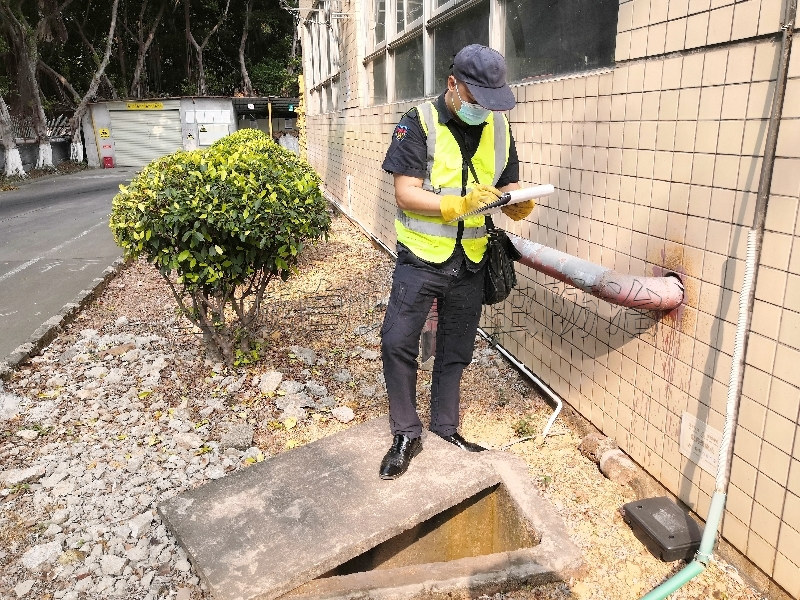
{"x": 439, "y": 229}
{"x": 430, "y": 237}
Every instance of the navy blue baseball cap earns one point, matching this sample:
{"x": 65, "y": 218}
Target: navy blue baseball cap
{"x": 484, "y": 71}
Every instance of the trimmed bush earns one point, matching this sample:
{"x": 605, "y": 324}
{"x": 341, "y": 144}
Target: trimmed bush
{"x": 220, "y": 224}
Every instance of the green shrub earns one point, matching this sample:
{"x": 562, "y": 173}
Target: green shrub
{"x": 220, "y": 224}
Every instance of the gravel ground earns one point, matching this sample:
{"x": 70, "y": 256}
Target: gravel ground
{"x": 123, "y": 411}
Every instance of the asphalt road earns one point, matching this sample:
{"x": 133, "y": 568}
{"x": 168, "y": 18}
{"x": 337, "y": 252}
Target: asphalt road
{"x": 54, "y": 240}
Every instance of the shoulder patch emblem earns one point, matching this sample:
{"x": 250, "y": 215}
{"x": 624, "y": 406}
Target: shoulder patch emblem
{"x": 400, "y": 132}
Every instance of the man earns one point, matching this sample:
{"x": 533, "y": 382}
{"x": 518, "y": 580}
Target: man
{"x": 448, "y": 157}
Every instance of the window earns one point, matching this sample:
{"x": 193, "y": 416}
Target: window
{"x": 323, "y": 63}
{"x": 552, "y": 37}
{"x": 410, "y": 44}
{"x": 466, "y": 27}
{"x": 408, "y": 69}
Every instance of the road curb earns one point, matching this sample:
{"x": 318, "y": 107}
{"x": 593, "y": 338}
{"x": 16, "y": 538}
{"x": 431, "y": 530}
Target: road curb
{"x": 48, "y": 331}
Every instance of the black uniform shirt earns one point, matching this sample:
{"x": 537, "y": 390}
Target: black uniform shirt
{"x": 408, "y": 153}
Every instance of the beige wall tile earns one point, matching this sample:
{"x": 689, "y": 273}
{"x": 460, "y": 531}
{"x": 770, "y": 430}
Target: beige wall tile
{"x": 722, "y": 203}
{"x": 730, "y": 136}
{"x": 769, "y": 494}
{"x": 760, "y": 552}
{"x": 765, "y": 524}
{"x": 760, "y": 352}
{"x": 734, "y": 101}
{"x": 685, "y": 135}
{"x": 749, "y": 170}
{"x": 716, "y": 63}
{"x": 656, "y": 39}
{"x": 769, "y": 20}
{"x": 766, "y": 319}
{"x": 785, "y": 575}
{"x": 688, "y": 103}
{"x": 671, "y": 73}
{"x": 774, "y": 464}
{"x": 784, "y": 400}
{"x": 791, "y": 511}
{"x": 760, "y": 100}
{"x": 747, "y": 446}
{"x": 692, "y": 70}
{"x": 755, "y": 135}
{"x": 696, "y": 6}
{"x": 776, "y": 250}
{"x": 780, "y": 432}
{"x": 710, "y": 103}
{"x": 707, "y": 134}
{"x": 703, "y": 169}
{"x": 790, "y": 328}
{"x": 726, "y": 171}
{"x": 735, "y": 531}
{"x": 677, "y": 9}
{"x": 743, "y": 474}
{"x": 697, "y": 30}
{"x": 720, "y": 25}
{"x": 794, "y": 477}
{"x": 786, "y": 177}
{"x": 676, "y": 35}
{"x": 625, "y": 16}
{"x": 789, "y": 543}
{"x": 782, "y": 214}
{"x": 740, "y": 64}
{"x": 789, "y": 138}
{"x": 745, "y": 19}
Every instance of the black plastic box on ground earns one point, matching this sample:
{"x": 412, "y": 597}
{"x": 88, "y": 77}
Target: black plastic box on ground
{"x": 666, "y": 529}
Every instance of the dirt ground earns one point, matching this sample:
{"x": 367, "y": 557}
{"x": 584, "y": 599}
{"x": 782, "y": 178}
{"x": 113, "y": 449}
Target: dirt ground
{"x": 334, "y": 306}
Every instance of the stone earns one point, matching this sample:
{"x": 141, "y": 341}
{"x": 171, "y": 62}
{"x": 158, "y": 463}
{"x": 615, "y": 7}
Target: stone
{"x": 23, "y": 588}
{"x": 316, "y": 389}
{"x": 291, "y": 387}
{"x": 307, "y": 355}
{"x": 343, "y": 414}
{"x": 9, "y": 406}
{"x": 342, "y": 376}
{"x": 239, "y": 436}
{"x": 369, "y": 355}
{"x": 27, "y": 434}
{"x": 184, "y": 593}
{"x": 71, "y": 557}
{"x": 269, "y": 382}
{"x": 41, "y": 554}
{"x": 14, "y": 477}
{"x": 188, "y": 441}
{"x": 139, "y": 525}
{"x": 112, "y": 565}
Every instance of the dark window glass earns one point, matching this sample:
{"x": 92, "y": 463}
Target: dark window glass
{"x": 407, "y": 12}
{"x": 408, "y": 79}
{"x": 469, "y": 27}
{"x": 552, "y": 37}
{"x": 380, "y": 21}
{"x": 379, "y": 80}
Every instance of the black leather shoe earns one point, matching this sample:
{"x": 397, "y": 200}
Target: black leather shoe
{"x": 399, "y": 456}
{"x": 459, "y": 441}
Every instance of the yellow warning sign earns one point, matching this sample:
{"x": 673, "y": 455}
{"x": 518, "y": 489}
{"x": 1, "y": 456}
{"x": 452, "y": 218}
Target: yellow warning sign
{"x": 104, "y": 133}
{"x": 145, "y": 105}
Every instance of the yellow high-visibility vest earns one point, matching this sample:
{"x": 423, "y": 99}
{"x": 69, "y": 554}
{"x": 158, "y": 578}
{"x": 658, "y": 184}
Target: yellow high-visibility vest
{"x": 431, "y": 238}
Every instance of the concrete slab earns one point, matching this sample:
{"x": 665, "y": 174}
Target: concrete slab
{"x": 554, "y": 557}
{"x": 265, "y": 530}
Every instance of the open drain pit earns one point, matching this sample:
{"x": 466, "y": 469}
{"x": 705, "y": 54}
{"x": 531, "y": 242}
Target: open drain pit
{"x": 317, "y": 522}
{"x": 487, "y": 523}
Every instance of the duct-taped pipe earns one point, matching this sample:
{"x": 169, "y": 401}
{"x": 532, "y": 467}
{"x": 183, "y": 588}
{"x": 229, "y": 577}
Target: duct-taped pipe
{"x": 632, "y": 291}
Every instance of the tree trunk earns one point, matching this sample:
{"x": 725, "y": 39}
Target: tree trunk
{"x": 247, "y": 85}
{"x": 76, "y": 147}
{"x": 202, "y": 88}
{"x": 13, "y": 166}
{"x": 143, "y": 45}
{"x": 24, "y": 47}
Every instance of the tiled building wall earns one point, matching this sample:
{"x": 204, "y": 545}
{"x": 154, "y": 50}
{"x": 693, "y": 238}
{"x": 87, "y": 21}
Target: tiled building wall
{"x": 656, "y": 164}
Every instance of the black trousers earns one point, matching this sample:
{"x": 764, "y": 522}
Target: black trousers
{"x": 459, "y": 292}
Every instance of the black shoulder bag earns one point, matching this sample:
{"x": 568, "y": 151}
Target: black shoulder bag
{"x": 500, "y": 276}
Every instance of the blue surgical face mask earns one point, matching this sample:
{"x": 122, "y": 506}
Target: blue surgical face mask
{"x": 471, "y": 114}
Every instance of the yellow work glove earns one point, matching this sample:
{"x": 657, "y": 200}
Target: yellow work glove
{"x": 518, "y": 211}
{"x": 453, "y": 207}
